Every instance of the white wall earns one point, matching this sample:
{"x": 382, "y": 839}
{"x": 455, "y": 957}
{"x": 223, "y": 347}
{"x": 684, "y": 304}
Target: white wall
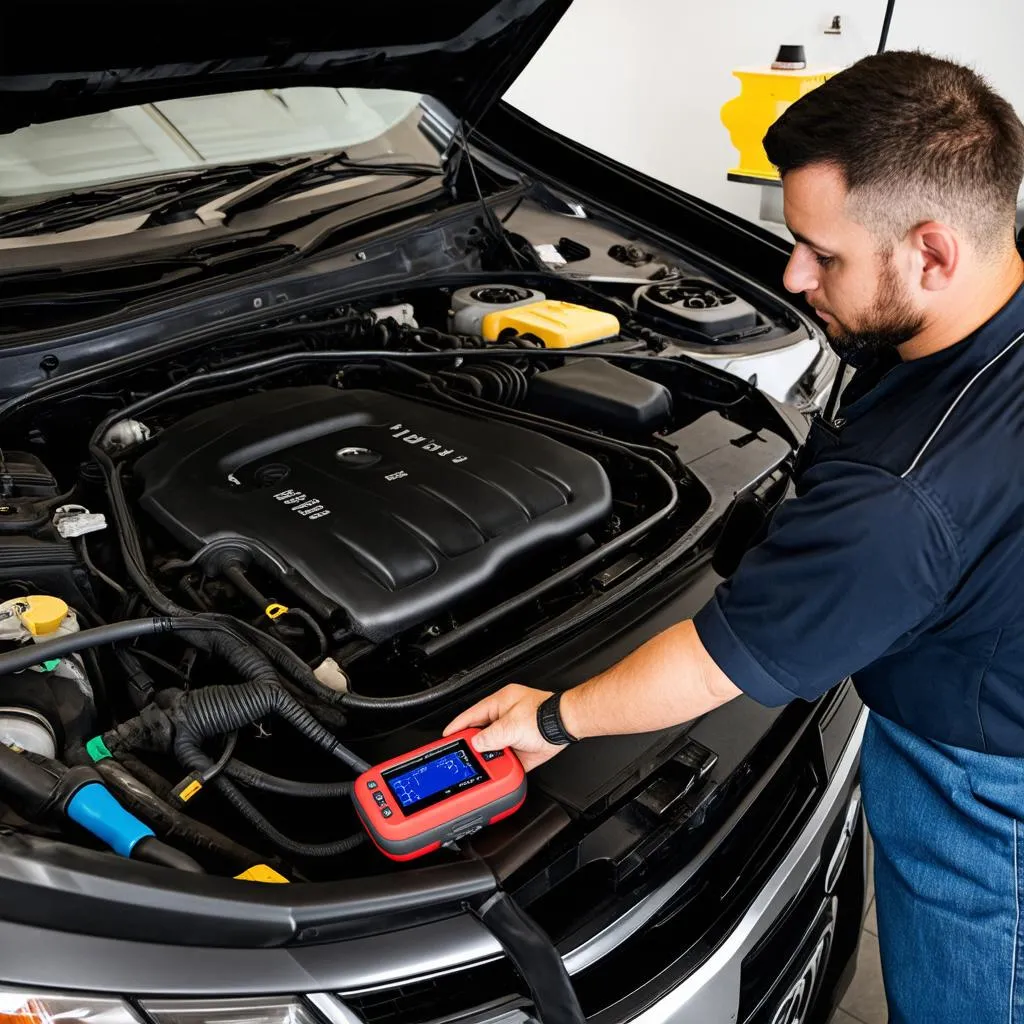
{"x": 644, "y": 81}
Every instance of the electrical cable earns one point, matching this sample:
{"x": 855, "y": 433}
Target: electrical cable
{"x": 214, "y": 770}
{"x": 235, "y": 574}
{"x": 254, "y": 778}
{"x": 278, "y": 838}
{"x": 83, "y": 551}
{"x": 886, "y": 22}
{"x": 139, "y": 652}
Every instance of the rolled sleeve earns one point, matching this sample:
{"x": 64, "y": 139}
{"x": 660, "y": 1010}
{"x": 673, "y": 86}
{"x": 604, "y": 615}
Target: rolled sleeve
{"x": 735, "y": 659}
{"x": 847, "y": 570}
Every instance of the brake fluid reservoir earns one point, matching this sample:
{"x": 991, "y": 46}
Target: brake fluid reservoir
{"x": 39, "y": 617}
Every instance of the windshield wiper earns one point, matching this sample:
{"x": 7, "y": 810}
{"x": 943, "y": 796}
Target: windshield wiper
{"x": 80, "y": 208}
{"x": 305, "y": 178}
{"x": 208, "y": 195}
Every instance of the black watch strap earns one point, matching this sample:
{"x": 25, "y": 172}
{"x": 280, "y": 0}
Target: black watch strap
{"x": 549, "y": 721}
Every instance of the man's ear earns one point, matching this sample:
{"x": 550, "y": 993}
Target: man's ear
{"x": 938, "y": 251}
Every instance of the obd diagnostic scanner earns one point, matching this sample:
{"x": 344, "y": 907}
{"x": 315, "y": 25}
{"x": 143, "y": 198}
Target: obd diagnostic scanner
{"x": 415, "y": 803}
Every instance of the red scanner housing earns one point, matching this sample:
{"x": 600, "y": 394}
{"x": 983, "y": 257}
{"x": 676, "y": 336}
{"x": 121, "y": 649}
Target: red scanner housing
{"x": 445, "y": 790}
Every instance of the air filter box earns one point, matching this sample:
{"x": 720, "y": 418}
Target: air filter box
{"x": 596, "y": 393}
{"x": 700, "y": 305}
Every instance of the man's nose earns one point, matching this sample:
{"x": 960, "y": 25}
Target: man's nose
{"x": 801, "y": 272}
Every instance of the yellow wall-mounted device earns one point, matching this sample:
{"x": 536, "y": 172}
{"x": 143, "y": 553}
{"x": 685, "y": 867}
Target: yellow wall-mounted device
{"x": 764, "y": 94}
{"x": 556, "y": 324}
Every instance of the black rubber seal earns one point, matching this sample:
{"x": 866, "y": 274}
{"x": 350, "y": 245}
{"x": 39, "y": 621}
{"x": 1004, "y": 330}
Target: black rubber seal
{"x": 534, "y": 957}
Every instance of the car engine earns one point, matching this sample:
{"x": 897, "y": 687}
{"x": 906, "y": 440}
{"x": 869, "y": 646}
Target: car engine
{"x": 255, "y": 567}
{"x": 367, "y": 504}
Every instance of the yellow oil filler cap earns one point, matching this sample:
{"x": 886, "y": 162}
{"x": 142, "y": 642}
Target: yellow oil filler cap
{"x": 42, "y": 614}
{"x": 556, "y": 324}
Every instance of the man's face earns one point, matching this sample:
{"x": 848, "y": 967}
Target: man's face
{"x": 858, "y": 291}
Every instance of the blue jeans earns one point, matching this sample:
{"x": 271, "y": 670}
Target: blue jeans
{"x": 948, "y": 826}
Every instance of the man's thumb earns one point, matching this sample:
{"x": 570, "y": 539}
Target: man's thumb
{"x": 496, "y": 736}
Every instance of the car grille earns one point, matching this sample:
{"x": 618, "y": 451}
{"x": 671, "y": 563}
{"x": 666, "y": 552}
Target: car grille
{"x": 766, "y": 976}
{"x": 443, "y": 996}
{"x": 699, "y": 917}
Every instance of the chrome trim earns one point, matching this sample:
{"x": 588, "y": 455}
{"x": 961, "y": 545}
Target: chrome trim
{"x": 711, "y": 993}
{"x": 332, "y": 1009}
{"x": 444, "y": 973}
{"x": 838, "y": 861}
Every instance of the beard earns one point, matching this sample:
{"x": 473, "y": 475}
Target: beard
{"x": 891, "y": 322}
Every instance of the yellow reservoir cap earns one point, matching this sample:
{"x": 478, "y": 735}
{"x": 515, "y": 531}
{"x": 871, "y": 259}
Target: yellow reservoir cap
{"x": 557, "y": 324}
{"x": 261, "y": 873}
{"x": 42, "y": 614}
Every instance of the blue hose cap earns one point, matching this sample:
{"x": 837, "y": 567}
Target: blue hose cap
{"x": 96, "y": 810}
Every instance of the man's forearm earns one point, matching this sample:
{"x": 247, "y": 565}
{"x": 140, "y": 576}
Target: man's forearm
{"x": 669, "y": 680}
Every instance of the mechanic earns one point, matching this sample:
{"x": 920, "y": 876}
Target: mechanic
{"x": 901, "y": 559}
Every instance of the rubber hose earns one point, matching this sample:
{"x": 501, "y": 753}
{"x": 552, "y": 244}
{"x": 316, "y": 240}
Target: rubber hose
{"x": 256, "y": 779}
{"x": 292, "y": 665}
{"x": 248, "y": 662}
{"x": 153, "y": 851}
{"x": 68, "y": 643}
{"x": 279, "y": 839}
{"x": 215, "y": 710}
{"x": 169, "y": 820}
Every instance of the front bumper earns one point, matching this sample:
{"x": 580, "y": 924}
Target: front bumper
{"x": 796, "y": 940}
{"x": 810, "y": 879}
{"x": 788, "y": 958}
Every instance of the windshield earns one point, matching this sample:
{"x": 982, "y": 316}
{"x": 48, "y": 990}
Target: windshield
{"x": 209, "y": 131}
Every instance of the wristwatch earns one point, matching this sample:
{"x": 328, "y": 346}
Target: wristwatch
{"x": 550, "y": 724}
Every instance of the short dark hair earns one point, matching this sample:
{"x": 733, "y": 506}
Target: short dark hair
{"x": 916, "y": 138}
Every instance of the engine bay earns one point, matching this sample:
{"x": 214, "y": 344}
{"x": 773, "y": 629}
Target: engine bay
{"x": 270, "y": 562}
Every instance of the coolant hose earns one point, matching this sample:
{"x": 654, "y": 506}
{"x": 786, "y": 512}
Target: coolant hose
{"x": 256, "y": 779}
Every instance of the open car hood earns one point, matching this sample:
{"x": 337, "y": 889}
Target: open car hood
{"x": 60, "y": 60}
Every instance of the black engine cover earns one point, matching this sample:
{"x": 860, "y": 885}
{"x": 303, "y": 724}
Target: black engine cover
{"x": 390, "y": 509}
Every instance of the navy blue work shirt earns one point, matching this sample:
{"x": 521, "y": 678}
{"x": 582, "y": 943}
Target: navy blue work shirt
{"x": 900, "y": 561}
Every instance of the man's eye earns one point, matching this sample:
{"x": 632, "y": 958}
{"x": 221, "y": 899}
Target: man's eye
{"x": 824, "y": 261}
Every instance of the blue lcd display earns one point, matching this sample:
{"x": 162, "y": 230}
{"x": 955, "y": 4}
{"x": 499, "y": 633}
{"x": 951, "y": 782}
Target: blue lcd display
{"x": 430, "y": 778}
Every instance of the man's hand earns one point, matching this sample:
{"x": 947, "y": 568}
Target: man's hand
{"x": 508, "y": 718}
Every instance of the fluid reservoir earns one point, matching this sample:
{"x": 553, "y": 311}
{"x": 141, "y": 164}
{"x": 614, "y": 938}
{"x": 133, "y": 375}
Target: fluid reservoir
{"x": 556, "y": 324}
{"x": 29, "y": 714}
